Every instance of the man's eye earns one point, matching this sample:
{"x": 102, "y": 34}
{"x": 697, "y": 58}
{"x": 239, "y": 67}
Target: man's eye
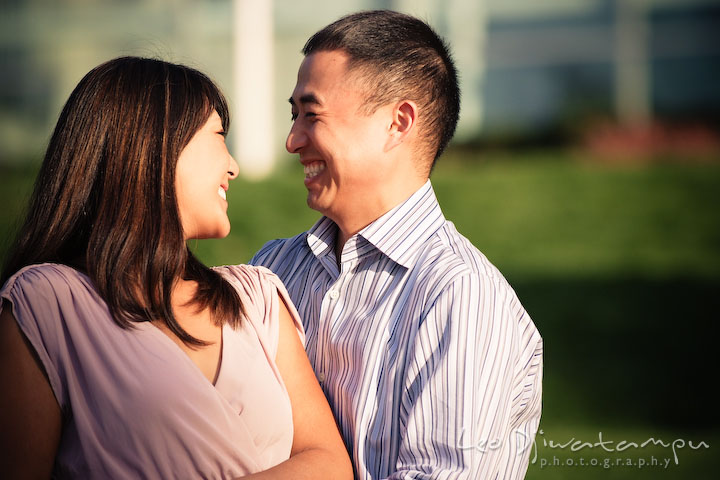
{"x": 294, "y": 115}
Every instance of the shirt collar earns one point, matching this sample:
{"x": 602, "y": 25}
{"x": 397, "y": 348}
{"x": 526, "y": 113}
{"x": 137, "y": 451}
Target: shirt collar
{"x": 398, "y": 234}
{"x": 321, "y": 236}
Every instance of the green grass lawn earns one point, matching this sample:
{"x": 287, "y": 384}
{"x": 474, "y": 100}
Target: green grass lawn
{"x": 619, "y": 266}
{"x": 542, "y": 215}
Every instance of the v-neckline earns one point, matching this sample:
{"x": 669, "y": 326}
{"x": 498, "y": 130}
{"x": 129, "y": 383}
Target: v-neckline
{"x": 180, "y": 351}
{"x": 221, "y": 356}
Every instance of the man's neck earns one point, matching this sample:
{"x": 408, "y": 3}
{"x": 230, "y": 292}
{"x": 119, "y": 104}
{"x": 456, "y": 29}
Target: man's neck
{"x": 348, "y": 227}
{"x": 339, "y": 244}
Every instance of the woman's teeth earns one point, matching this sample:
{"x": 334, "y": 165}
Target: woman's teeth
{"x": 221, "y": 192}
{"x": 314, "y": 169}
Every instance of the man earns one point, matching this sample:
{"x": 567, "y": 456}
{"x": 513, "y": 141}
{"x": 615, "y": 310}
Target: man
{"x": 431, "y": 365}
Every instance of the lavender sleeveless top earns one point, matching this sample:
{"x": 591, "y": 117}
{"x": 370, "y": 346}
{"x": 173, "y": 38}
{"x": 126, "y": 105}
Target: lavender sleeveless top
{"x": 133, "y": 403}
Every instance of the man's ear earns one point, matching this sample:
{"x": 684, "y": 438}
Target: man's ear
{"x": 404, "y": 118}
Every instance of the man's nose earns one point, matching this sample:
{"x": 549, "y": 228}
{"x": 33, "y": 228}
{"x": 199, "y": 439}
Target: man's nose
{"x": 296, "y": 139}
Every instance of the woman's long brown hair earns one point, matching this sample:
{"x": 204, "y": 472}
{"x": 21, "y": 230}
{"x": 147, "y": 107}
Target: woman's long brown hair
{"x": 104, "y": 199}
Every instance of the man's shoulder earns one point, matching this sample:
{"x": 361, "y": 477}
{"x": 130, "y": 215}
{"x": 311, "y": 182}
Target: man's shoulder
{"x": 272, "y": 247}
{"x": 450, "y": 251}
{"x": 281, "y": 250}
{"x": 453, "y": 265}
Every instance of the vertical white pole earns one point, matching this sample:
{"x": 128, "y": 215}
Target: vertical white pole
{"x": 253, "y": 87}
{"x": 467, "y": 23}
{"x": 632, "y": 79}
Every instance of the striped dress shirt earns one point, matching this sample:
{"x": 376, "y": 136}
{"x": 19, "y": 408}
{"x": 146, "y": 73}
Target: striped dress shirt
{"x": 430, "y": 363}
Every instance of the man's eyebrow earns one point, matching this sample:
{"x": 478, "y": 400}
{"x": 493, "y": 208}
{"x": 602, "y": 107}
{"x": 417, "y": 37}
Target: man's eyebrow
{"x": 307, "y": 98}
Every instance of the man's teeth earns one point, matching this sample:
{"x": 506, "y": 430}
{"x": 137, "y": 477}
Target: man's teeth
{"x": 221, "y": 192}
{"x": 314, "y": 169}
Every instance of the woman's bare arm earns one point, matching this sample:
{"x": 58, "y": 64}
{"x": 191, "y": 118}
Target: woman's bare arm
{"x": 318, "y": 450}
{"x": 30, "y": 420}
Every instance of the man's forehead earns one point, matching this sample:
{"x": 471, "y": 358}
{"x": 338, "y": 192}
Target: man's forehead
{"x": 323, "y": 74}
{"x": 335, "y": 60}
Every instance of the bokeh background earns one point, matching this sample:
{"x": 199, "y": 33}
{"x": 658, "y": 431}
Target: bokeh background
{"x": 586, "y": 167}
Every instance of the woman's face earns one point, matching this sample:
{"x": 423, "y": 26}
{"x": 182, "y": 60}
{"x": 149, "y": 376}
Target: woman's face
{"x": 204, "y": 170}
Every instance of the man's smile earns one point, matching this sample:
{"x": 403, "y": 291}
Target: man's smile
{"x": 313, "y": 169}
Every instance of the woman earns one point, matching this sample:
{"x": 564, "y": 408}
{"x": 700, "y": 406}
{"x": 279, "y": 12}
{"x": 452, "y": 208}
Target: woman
{"x": 121, "y": 355}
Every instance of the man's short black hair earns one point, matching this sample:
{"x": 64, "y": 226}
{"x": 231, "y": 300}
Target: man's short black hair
{"x": 399, "y": 57}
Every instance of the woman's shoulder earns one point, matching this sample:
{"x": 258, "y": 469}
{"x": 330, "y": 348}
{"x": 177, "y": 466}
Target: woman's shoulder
{"x": 243, "y": 269}
{"x": 261, "y": 291}
{"x": 249, "y": 277}
{"x": 44, "y": 292}
{"x": 48, "y": 297}
{"x": 51, "y": 304}
{"x": 49, "y": 278}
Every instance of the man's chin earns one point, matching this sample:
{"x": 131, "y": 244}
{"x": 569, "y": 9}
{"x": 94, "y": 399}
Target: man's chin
{"x": 315, "y": 203}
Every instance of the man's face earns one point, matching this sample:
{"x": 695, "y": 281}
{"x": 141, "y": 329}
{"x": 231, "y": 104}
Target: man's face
{"x": 342, "y": 148}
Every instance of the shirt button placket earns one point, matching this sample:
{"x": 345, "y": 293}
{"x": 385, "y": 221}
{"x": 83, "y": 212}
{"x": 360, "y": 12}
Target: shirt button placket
{"x": 328, "y": 305}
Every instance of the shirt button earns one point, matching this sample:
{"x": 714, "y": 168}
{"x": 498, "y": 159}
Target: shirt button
{"x": 334, "y": 294}
{"x": 321, "y": 377}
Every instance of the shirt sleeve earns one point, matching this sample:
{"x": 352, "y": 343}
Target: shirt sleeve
{"x": 472, "y": 399}
{"x": 37, "y": 305}
{"x": 260, "y": 291}
{"x": 261, "y": 256}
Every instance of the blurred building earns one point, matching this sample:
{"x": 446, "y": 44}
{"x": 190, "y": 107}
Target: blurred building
{"x": 560, "y": 64}
{"x": 528, "y": 68}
